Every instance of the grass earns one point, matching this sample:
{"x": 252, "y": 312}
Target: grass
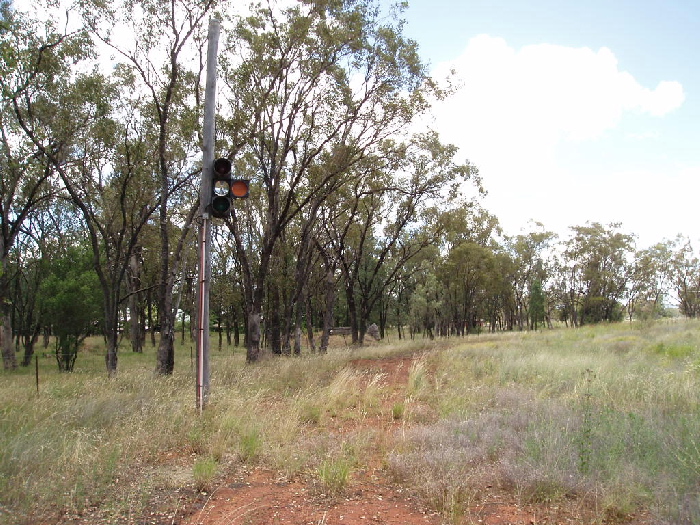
{"x": 608, "y": 415}
{"x": 204, "y": 472}
{"x": 81, "y": 440}
{"x": 333, "y": 475}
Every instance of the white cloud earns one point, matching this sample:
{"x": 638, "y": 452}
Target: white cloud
{"x": 515, "y": 107}
{"x": 665, "y": 98}
{"x": 560, "y": 92}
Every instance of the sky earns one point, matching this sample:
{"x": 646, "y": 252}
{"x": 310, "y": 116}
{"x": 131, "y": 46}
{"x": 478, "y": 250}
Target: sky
{"x": 573, "y": 111}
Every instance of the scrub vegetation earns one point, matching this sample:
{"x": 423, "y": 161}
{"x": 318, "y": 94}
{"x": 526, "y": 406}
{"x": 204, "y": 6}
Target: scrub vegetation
{"x": 605, "y": 415}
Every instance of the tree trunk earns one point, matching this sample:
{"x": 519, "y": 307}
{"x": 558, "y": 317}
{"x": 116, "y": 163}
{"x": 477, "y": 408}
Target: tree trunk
{"x": 352, "y": 314}
{"x": 273, "y": 328}
{"x": 30, "y": 340}
{"x": 253, "y": 351}
{"x": 232, "y": 325}
{"x": 297, "y": 330}
{"x": 328, "y": 310}
{"x": 383, "y": 314}
{"x": 167, "y": 307}
{"x": 165, "y": 358}
{"x": 112, "y": 337}
{"x": 165, "y": 363}
{"x": 149, "y": 316}
{"x": 310, "y": 323}
{"x": 135, "y": 303}
{"x": 9, "y": 357}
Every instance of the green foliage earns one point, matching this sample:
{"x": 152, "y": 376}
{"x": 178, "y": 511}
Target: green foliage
{"x": 71, "y": 303}
{"x": 537, "y": 304}
{"x": 599, "y": 260}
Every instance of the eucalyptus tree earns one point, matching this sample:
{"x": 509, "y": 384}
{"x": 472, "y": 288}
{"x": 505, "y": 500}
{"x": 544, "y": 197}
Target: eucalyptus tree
{"x": 537, "y": 305}
{"x": 651, "y": 280}
{"x": 295, "y": 256}
{"x": 110, "y": 184}
{"x": 32, "y": 57}
{"x": 531, "y": 255}
{"x": 315, "y": 84}
{"x": 92, "y": 140}
{"x": 686, "y": 281}
{"x": 566, "y": 290}
{"x": 428, "y": 187}
{"x": 226, "y": 304}
{"x": 328, "y": 282}
{"x": 53, "y": 228}
{"x": 26, "y": 269}
{"x": 425, "y": 304}
{"x": 599, "y": 258}
{"x": 159, "y": 47}
{"x": 464, "y": 278}
{"x": 393, "y": 215}
{"x": 468, "y": 222}
{"x": 468, "y": 230}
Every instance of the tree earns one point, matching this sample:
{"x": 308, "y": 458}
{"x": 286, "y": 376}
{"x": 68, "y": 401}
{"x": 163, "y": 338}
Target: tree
{"x": 686, "y": 269}
{"x": 91, "y": 139}
{"x": 165, "y": 95}
{"x": 598, "y": 260}
{"x": 464, "y": 277}
{"x": 467, "y": 241}
{"x": 650, "y": 280}
{"x": 71, "y": 303}
{"x": 529, "y": 252}
{"x": 320, "y": 87}
{"x": 412, "y": 211}
{"x": 425, "y": 305}
{"x": 537, "y": 304}
{"x": 29, "y": 62}
{"x": 52, "y": 228}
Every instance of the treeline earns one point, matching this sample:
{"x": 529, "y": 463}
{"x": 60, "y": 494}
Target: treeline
{"x": 353, "y": 216}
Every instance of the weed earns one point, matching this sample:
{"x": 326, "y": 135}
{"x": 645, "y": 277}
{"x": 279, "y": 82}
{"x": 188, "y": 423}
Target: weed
{"x": 397, "y": 411}
{"x": 673, "y": 350}
{"x": 543, "y": 490}
{"x": 251, "y": 444}
{"x": 196, "y": 440}
{"x": 204, "y": 472}
{"x": 334, "y": 474}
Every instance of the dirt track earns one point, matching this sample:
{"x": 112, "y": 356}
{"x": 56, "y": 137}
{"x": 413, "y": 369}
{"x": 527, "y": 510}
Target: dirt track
{"x": 260, "y": 497}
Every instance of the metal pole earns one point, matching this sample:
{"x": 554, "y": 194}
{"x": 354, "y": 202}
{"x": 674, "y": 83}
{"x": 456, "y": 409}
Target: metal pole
{"x": 208, "y": 135}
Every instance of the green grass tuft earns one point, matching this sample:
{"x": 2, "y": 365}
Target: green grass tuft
{"x": 204, "y": 472}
